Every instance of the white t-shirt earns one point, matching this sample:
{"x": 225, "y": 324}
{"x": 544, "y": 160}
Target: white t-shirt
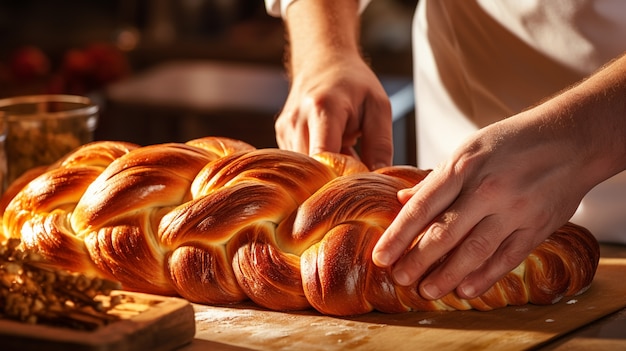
{"x": 277, "y": 8}
{"x": 478, "y": 61}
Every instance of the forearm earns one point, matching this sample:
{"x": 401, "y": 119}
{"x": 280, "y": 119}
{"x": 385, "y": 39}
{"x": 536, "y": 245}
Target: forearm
{"x": 321, "y": 30}
{"x": 595, "y": 112}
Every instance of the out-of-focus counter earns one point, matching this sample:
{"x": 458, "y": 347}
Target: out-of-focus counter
{"x": 595, "y": 320}
{"x": 182, "y": 100}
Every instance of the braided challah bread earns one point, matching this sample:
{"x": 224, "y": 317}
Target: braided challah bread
{"x": 217, "y": 221}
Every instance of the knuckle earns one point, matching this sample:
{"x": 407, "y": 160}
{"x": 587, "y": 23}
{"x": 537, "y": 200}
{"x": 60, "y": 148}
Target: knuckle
{"x": 512, "y": 258}
{"x": 415, "y": 209}
{"x": 384, "y": 104}
{"x": 413, "y": 264}
{"x": 440, "y": 235}
{"x": 520, "y": 204}
{"x": 489, "y": 188}
{"x": 320, "y": 102}
{"x": 479, "y": 247}
{"x": 450, "y": 277}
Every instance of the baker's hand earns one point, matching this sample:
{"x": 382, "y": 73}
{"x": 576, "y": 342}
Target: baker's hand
{"x": 334, "y": 101}
{"x": 484, "y": 210}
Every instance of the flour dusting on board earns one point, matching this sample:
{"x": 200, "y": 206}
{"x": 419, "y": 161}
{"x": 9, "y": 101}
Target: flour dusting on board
{"x": 221, "y": 315}
{"x": 280, "y": 331}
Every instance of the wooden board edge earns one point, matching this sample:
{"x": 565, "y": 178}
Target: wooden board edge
{"x": 168, "y": 324}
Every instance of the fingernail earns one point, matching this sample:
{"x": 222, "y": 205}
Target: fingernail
{"x": 381, "y": 258}
{"x": 403, "y": 192}
{"x": 468, "y": 291}
{"x": 401, "y": 277}
{"x": 403, "y": 196}
{"x": 431, "y": 291}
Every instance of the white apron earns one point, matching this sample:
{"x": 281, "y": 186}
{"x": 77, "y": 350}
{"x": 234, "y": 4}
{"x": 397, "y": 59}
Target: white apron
{"x": 478, "y": 61}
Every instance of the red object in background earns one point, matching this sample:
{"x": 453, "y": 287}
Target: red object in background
{"x": 74, "y": 75}
{"x": 28, "y": 70}
{"x": 27, "y": 64}
{"x": 76, "y": 63}
{"x": 110, "y": 64}
{"x": 88, "y": 69}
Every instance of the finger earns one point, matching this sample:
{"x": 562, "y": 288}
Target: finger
{"x": 473, "y": 250}
{"x": 325, "y": 133}
{"x": 405, "y": 194}
{"x": 290, "y": 135}
{"x": 377, "y": 139}
{"x": 438, "y": 240}
{"x": 282, "y": 140}
{"x": 436, "y": 192}
{"x": 513, "y": 250}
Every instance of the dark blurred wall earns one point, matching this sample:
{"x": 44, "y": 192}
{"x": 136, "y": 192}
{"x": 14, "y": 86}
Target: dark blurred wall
{"x": 90, "y": 47}
{"x": 164, "y": 29}
{"x": 51, "y": 24}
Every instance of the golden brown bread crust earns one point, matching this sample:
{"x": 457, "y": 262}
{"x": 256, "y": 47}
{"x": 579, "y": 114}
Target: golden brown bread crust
{"x": 216, "y": 221}
{"x": 338, "y": 268}
{"x": 38, "y": 204}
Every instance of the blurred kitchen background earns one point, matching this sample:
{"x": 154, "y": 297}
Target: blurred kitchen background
{"x": 174, "y": 70}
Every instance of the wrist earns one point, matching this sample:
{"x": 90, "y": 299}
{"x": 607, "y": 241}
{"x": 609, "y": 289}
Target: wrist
{"x": 321, "y": 31}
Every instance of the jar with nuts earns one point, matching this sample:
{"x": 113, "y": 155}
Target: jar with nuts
{"x": 40, "y": 129}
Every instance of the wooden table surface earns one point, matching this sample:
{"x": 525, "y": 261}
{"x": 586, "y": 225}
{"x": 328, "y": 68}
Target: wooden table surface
{"x": 608, "y": 333}
{"x": 595, "y": 320}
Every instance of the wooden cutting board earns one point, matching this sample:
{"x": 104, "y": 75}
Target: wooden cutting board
{"x": 148, "y": 322}
{"x": 511, "y": 328}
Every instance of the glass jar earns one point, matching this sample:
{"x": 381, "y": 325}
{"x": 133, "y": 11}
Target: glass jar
{"x": 40, "y": 129}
